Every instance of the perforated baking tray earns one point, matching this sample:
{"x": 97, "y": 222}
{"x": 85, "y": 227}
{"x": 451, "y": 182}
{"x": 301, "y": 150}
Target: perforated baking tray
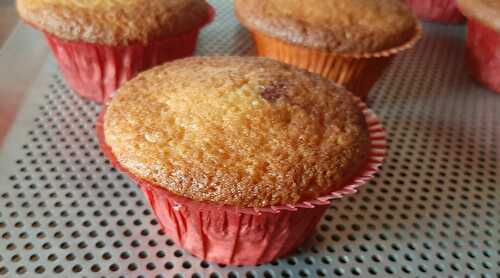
{"x": 433, "y": 211}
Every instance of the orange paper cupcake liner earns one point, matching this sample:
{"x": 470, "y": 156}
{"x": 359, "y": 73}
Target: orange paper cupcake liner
{"x": 245, "y": 236}
{"x": 357, "y": 72}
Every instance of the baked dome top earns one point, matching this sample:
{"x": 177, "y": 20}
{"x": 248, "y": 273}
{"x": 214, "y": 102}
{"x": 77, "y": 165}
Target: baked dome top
{"x": 485, "y": 11}
{"x": 114, "y": 22}
{"x": 346, "y": 26}
{"x": 241, "y": 131}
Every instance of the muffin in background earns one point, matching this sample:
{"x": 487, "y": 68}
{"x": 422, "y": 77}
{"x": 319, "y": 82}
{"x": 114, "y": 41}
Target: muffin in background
{"x": 348, "y": 41}
{"x": 239, "y": 156}
{"x": 99, "y": 44}
{"x": 483, "y": 40}
{"x": 443, "y": 11}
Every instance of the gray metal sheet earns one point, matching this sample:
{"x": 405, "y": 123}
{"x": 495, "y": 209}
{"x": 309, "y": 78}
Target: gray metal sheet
{"x": 432, "y": 211}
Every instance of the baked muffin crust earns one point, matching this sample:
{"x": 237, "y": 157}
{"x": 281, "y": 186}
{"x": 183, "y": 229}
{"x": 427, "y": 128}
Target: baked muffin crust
{"x": 485, "y": 11}
{"x": 344, "y": 26}
{"x": 241, "y": 131}
{"x": 114, "y": 22}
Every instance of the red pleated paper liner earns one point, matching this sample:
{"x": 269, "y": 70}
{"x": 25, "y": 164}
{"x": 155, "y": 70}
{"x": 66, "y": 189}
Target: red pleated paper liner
{"x": 245, "y": 236}
{"x": 95, "y": 71}
{"x": 483, "y": 54}
{"x": 443, "y": 11}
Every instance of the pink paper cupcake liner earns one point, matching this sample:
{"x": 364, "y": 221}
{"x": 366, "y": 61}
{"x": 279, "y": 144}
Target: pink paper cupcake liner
{"x": 246, "y": 236}
{"x": 483, "y": 54}
{"x": 95, "y": 71}
{"x": 444, "y": 11}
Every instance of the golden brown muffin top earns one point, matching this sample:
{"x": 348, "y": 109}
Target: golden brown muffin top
{"x": 485, "y": 11}
{"x": 345, "y": 26}
{"x": 247, "y": 132}
{"x": 114, "y": 22}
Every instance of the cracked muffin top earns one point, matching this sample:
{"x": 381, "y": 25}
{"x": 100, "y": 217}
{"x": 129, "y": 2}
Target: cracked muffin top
{"x": 241, "y": 131}
{"x": 344, "y": 26}
{"x": 114, "y": 22}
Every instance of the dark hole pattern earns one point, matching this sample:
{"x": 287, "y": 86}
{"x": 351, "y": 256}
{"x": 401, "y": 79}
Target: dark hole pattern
{"x": 431, "y": 212}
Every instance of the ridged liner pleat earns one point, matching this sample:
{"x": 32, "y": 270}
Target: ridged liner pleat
{"x": 358, "y": 72}
{"x": 246, "y": 236}
{"x": 96, "y": 71}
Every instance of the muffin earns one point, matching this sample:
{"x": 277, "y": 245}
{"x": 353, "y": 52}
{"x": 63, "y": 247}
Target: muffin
{"x": 483, "y": 40}
{"x": 99, "y": 44}
{"x": 443, "y": 11}
{"x": 237, "y": 156}
{"x": 348, "y": 41}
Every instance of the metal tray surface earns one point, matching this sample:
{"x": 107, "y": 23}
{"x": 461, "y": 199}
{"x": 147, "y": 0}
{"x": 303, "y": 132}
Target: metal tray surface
{"x": 433, "y": 210}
